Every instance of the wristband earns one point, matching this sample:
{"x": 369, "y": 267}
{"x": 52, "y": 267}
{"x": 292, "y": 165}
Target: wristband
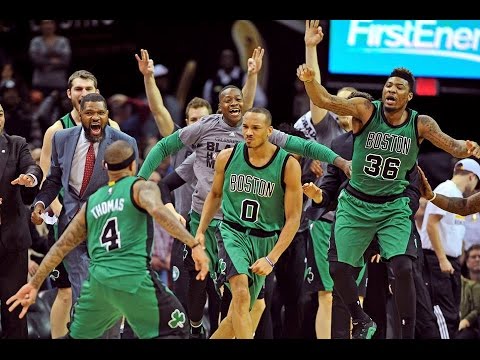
{"x": 308, "y": 81}
{"x": 270, "y": 262}
{"x": 196, "y": 244}
{"x": 434, "y": 196}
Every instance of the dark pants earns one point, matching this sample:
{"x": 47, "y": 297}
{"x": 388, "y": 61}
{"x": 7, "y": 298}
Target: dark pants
{"x": 264, "y": 329}
{"x": 288, "y": 291}
{"x": 446, "y": 292}
{"x": 426, "y": 326}
{"x": 180, "y": 274}
{"x": 13, "y": 275}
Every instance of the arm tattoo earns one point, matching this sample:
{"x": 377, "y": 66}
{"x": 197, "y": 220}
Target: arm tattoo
{"x": 437, "y": 137}
{"x": 75, "y": 233}
{"x": 460, "y": 206}
{"x": 149, "y": 199}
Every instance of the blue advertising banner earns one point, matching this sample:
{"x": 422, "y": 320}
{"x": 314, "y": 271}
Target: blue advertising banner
{"x": 429, "y": 48}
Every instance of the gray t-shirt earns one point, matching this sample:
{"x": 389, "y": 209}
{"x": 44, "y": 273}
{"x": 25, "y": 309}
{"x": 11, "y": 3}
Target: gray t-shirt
{"x": 208, "y": 137}
{"x": 323, "y": 132}
{"x": 183, "y": 194}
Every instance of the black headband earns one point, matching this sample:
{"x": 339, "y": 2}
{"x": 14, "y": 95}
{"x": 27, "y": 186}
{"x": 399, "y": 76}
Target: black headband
{"x": 121, "y": 165}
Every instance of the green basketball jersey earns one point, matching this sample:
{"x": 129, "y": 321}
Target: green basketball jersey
{"x": 383, "y": 154}
{"x": 254, "y": 196}
{"x": 67, "y": 121}
{"x": 119, "y": 236}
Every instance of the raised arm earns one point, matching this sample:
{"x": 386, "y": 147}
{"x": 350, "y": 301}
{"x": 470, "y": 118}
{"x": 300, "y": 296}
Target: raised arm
{"x": 250, "y": 87}
{"x": 73, "y": 235}
{"x": 460, "y": 206}
{"x": 313, "y": 37}
{"x": 359, "y": 108}
{"x": 147, "y": 195}
{"x": 162, "y": 117}
{"x": 429, "y": 129}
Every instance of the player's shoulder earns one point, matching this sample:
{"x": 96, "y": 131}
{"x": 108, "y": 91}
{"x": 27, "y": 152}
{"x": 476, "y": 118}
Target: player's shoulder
{"x": 56, "y": 126}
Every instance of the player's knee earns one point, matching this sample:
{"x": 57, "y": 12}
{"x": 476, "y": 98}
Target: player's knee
{"x": 402, "y": 267}
{"x": 338, "y": 268}
{"x": 65, "y": 295}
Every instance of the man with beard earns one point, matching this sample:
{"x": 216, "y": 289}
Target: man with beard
{"x": 80, "y": 83}
{"x": 76, "y": 166}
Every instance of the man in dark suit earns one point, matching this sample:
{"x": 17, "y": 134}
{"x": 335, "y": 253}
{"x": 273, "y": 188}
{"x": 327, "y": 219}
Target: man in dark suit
{"x": 17, "y": 167}
{"x": 69, "y": 159}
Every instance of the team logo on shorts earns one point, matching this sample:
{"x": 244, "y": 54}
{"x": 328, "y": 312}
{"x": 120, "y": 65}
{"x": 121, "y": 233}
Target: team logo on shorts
{"x": 185, "y": 252}
{"x": 177, "y": 319}
{"x": 309, "y": 275}
{"x": 175, "y": 273}
{"x": 54, "y": 274}
{"x": 222, "y": 266}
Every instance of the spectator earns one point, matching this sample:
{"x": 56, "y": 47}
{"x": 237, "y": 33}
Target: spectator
{"x": 50, "y": 55}
{"x": 442, "y": 236}
{"x": 229, "y": 73}
{"x": 18, "y": 110}
{"x": 469, "y": 327}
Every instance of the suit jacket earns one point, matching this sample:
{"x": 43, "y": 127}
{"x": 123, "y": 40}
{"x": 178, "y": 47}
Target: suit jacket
{"x": 64, "y": 143}
{"x": 15, "y": 159}
{"x": 335, "y": 180}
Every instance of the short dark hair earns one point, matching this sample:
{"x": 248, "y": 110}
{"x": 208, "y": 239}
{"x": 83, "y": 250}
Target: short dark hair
{"x": 361, "y": 94}
{"x": 260, "y": 110}
{"x": 226, "y": 88}
{"x": 473, "y": 247}
{"x": 92, "y": 97}
{"x": 405, "y": 74}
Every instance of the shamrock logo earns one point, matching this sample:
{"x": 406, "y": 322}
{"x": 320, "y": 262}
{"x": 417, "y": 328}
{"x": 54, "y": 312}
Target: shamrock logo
{"x": 177, "y": 319}
{"x": 309, "y": 275}
{"x": 222, "y": 266}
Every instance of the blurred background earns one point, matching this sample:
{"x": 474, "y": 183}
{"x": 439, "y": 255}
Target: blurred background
{"x": 107, "y": 48}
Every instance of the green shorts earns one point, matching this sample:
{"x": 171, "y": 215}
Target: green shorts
{"x": 211, "y": 247}
{"x": 318, "y": 266}
{"x": 152, "y": 311}
{"x": 239, "y": 252}
{"x": 357, "y": 222}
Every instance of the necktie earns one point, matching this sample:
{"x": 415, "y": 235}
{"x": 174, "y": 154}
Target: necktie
{"x": 89, "y": 164}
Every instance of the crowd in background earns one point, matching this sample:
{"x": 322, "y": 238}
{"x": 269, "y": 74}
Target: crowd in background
{"x": 31, "y": 106}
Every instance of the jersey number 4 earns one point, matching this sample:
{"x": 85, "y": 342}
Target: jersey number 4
{"x": 110, "y": 238}
{"x": 387, "y": 168}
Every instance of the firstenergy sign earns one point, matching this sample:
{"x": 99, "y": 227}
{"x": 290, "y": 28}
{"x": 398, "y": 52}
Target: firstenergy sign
{"x": 436, "y": 48}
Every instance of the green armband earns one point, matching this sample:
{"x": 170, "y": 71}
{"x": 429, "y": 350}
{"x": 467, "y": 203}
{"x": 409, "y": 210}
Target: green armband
{"x": 167, "y": 146}
{"x": 310, "y": 149}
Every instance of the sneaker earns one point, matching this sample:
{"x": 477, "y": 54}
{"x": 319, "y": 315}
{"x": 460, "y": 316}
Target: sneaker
{"x": 364, "y": 329}
{"x": 197, "y": 333}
